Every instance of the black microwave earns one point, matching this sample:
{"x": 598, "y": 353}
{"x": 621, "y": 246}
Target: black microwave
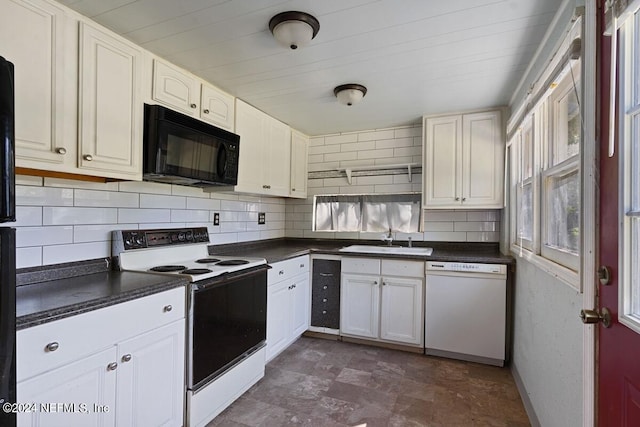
{"x": 179, "y": 149}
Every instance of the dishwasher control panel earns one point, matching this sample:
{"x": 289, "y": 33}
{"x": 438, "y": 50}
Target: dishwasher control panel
{"x": 466, "y": 267}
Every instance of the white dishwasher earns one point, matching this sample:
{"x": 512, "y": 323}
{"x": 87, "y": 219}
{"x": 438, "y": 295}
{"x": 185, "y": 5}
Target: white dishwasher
{"x": 465, "y": 311}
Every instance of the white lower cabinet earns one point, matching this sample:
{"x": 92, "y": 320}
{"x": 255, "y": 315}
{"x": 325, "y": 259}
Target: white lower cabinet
{"x": 386, "y": 305}
{"x": 288, "y": 303}
{"x": 115, "y": 366}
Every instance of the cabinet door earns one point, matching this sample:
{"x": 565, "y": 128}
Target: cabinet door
{"x": 441, "y": 165}
{"x": 151, "y": 378}
{"x": 300, "y": 305}
{"x": 278, "y": 317}
{"x": 250, "y": 125}
{"x": 482, "y": 160}
{"x": 88, "y": 386}
{"x": 299, "y": 165}
{"x": 33, "y": 36}
{"x": 176, "y": 89}
{"x": 401, "y": 310}
{"x": 111, "y": 109}
{"x": 217, "y": 107}
{"x": 359, "y": 305}
{"x": 278, "y": 158}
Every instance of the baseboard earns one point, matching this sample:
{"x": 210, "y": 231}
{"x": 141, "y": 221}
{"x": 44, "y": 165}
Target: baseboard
{"x": 528, "y": 406}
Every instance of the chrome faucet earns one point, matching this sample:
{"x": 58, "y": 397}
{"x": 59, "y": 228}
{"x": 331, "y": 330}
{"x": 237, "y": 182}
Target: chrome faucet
{"x": 388, "y": 238}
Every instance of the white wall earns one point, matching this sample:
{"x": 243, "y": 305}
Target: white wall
{"x": 382, "y": 147}
{"x": 63, "y": 220}
{"x": 547, "y": 347}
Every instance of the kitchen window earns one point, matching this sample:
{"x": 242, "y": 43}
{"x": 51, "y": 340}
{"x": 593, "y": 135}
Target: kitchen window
{"x": 367, "y": 213}
{"x": 629, "y": 153}
{"x": 545, "y": 179}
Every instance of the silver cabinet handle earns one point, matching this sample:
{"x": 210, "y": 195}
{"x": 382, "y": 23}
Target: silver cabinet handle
{"x": 112, "y": 366}
{"x": 88, "y": 157}
{"x": 293, "y": 286}
{"x": 289, "y": 287}
{"x": 126, "y": 358}
{"x": 324, "y": 300}
{"x": 464, "y": 199}
{"x": 193, "y": 105}
{"x": 205, "y": 111}
{"x": 384, "y": 283}
{"x": 281, "y": 272}
{"x": 326, "y": 274}
{"x": 301, "y": 265}
{"x": 61, "y": 150}
{"x": 167, "y": 308}
{"x": 324, "y": 287}
{"x": 375, "y": 283}
{"x": 324, "y": 311}
{"x": 457, "y": 199}
{"x": 293, "y": 189}
{"x": 52, "y": 346}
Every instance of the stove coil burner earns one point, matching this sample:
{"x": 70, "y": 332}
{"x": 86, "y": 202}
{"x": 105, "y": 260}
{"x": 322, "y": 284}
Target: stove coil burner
{"x": 233, "y": 262}
{"x": 167, "y": 268}
{"x": 207, "y": 260}
{"x": 195, "y": 271}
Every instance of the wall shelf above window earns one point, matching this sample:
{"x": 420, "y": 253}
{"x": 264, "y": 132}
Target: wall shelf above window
{"x": 373, "y": 170}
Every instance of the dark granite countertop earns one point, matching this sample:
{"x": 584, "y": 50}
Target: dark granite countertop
{"x": 75, "y": 288}
{"x": 275, "y": 250}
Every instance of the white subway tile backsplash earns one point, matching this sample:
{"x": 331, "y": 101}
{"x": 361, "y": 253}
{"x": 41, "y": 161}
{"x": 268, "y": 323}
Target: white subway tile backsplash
{"x": 98, "y": 232}
{"x": 248, "y": 236}
{"x": 156, "y": 201}
{"x": 235, "y": 226}
{"x": 28, "y": 180}
{"x": 86, "y": 185}
{"x": 111, "y": 199}
{"x": 76, "y": 215}
{"x": 75, "y": 252}
{"x": 27, "y": 216}
{"x": 438, "y": 226}
{"x": 445, "y": 236}
{"x": 374, "y": 180}
{"x": 358, "y": 146}
{"x": 223, "y": 238}
{"x": 316, "y": 159}
{"x": 28, "y": 257}
{"x": 230, "y": 205}
{"x": 336, "y": 157}
{"x": 444, "y": 215}
{"x": 144, "y": 187}
{"x": 407, "y": 151}
{"x": 483, "y": 236}
{"x": 181, "y": 190}
{"x": 143, "y": 215}
{"x": 376, "y": 135}
{"x": 414, "y": 131}
{"x": 162, "y": 225}
{"x": 42, "y": 236}
{"x": 316, "y": 141}
{"x": 323, "y": 149}
{"x": 395, "y": 143}
{"x": 183, "y": 215}
{"x": 376, "y": 154}
{"x": 476, "y": 226}
{"x": 43, "y": 196}
{"x": 341, "y": 139}
{"x": 488, "y": 215}
{"x": 203, "y": 204}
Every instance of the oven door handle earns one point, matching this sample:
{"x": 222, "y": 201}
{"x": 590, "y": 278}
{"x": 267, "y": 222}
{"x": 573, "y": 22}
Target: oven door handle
{"x": 225, "y": 277}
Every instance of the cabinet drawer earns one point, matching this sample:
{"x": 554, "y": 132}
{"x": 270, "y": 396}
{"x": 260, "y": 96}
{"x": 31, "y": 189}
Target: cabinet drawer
{"x": 391, "y": 267}
{"x": 360, "y": 265}
{"x": 286, "y": 269}
{"x": 50, "y": 345}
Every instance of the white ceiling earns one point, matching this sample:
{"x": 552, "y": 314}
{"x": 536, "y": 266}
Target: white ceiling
{"x": 415, "y": 56}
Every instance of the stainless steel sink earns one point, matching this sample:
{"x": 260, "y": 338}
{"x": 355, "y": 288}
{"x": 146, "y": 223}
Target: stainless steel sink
{"x": 373, "y": 249}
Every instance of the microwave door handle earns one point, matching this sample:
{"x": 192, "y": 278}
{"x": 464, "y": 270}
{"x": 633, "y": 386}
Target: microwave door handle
{"x": 161, "y": 160}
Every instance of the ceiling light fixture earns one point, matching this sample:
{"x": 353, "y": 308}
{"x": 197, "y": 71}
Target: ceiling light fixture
{"x": 294, "y": 29}
{"x": 350, "y": 93}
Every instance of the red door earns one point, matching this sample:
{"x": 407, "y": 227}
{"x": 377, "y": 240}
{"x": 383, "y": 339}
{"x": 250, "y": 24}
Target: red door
{"x": 618, "y": 364}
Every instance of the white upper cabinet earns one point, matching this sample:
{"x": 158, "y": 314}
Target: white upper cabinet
{"x": 110, "y": 105}
{"x": 463, "y": 164}
{"x": 37, "y": 37}
{"x": 265, "y": 152}
{"x": 299, "y": 165}
{"x": 188, "y": 94}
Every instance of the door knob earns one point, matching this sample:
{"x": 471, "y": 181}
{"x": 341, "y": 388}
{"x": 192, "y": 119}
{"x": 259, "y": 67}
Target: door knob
{"x": 595, "y": 316}
{"x": 88, "y": 157}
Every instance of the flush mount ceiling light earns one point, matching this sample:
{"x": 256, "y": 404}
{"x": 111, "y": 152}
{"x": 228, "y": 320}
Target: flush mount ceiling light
{"x": 350, "y": 93}
{"x": 294, "y": 29}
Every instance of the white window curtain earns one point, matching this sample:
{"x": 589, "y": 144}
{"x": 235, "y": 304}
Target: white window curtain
{"x": 372, "y": 213}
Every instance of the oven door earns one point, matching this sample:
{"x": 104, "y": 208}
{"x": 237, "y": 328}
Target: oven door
{"x": 227, "y": 323}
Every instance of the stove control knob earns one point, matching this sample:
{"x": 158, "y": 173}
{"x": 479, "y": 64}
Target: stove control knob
{"x": 181, "y": 237}
{"x": 189, "y": 236}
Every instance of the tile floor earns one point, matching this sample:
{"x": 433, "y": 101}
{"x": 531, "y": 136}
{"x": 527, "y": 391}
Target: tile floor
{"x": 318, "y": 382}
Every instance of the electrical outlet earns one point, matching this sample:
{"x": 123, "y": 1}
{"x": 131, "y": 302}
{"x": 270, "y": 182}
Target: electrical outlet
{"x": 216, "y": 218}
{"x": 261, "y": 218}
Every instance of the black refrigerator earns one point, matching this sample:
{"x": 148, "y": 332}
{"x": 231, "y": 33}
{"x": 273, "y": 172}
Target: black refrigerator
{"x": 7, "y": 244}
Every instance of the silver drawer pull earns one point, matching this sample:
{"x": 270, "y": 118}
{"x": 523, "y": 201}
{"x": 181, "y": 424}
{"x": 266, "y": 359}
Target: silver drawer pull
{"x": 88, "y": 157}
{"x": 324, "y": 311}
{"x": 167, "y": 308}
{"x": 324, "y": 287}
{"x": 324, "y": 300}
{"x": 281, "y": 272}
{"x": 206, "y": 111}
{"x": 126, "y": 358}
{"x": 301, "y": 265}
{"x": 112, "y": 366}
{"x": 61, "y": 150}
{"x": 52, "y": 346}
{"x": 193, "y": 105}
{"x": 293, "y": 286}
{"x": 326, "y": 274}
